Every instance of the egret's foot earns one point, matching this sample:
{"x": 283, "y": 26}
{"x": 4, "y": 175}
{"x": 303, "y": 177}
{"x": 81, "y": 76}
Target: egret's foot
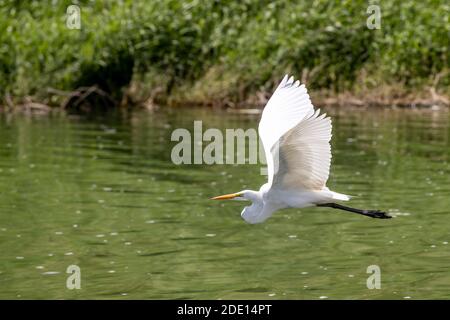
{"x": 376, "y": 214}
{"x": 369, "y": 213}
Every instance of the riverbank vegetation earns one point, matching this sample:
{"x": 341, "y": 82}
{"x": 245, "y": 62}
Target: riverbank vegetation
{"x": 227, "y": 53}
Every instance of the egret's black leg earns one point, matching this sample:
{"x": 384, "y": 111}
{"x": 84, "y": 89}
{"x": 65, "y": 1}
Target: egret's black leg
{"x": 370, "y": 213}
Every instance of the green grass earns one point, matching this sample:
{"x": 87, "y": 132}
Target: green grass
{"x": 206, "y": 50}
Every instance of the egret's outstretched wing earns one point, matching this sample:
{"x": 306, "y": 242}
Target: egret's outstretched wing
{"x": 288, "y": 106}
{"x": 305, "y": 155}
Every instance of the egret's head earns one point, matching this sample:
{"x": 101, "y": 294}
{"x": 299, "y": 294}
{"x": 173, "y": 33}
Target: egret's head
{"x": 241, "y": 195}
{"x": 252, "y": 213}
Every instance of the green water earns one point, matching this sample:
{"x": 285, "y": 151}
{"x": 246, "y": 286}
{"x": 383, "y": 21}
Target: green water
{"x": 102, "y": 193}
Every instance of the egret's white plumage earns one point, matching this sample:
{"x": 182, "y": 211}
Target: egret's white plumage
{"x": 296, "y": 141}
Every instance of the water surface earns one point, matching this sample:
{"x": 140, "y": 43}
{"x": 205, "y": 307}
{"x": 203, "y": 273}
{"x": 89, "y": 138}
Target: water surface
{"x": 102, "y": 193}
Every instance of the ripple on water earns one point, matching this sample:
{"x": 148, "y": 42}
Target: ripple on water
{"x": 72, "y": 174}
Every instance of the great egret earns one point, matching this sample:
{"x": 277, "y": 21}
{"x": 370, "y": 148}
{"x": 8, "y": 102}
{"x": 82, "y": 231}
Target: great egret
{"x": 296, "y": 140}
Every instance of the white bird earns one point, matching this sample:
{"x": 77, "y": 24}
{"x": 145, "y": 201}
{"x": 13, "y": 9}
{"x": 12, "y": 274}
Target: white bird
{"x": 296, "y": 141}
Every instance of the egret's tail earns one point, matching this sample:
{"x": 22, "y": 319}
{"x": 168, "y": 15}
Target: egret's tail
{"x": 340, "y": 196}
{"x": 334, "y": 195}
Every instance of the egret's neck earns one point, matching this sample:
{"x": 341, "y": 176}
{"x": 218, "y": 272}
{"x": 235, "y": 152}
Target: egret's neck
{"x": 258, "y": 211}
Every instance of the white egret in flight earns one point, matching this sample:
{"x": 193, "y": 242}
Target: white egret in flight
{"x": 296, "y": 140}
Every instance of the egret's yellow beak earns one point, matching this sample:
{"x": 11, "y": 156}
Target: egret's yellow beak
{"x": 227, "y": 196}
